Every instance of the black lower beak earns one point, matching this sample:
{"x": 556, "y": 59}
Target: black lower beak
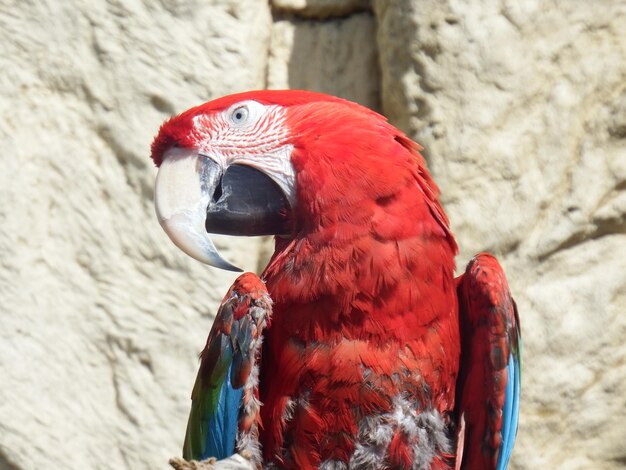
{"x": 247, "y": 202}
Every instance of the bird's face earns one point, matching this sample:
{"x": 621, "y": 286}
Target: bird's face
{"x": 267, "y": 163}
{"x": 224, "y": 168}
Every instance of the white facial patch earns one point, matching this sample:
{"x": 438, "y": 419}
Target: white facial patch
{"x": 253, "y": 134}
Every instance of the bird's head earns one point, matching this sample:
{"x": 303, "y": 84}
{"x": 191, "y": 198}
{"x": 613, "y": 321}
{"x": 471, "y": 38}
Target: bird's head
{"x": 272, "y": 163}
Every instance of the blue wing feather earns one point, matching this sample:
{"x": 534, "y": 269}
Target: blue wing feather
{"x": 510, "y": 412}
{"x": 222, "y": 426}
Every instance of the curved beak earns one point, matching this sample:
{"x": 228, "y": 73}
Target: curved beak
{"x": 195, "y": 195}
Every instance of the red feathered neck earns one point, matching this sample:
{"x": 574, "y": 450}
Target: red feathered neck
{"x": 369, "y": 230}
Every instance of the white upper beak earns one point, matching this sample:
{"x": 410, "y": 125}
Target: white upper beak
{"x": 181, "y": 199}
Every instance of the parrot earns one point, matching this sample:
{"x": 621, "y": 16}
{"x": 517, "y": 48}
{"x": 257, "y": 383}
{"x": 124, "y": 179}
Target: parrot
{"x": 356, "y": 347}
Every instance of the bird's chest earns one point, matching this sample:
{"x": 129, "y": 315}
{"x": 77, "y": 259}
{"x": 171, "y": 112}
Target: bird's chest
{"x": 356, "y": 403}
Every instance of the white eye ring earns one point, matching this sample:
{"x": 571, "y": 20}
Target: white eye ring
{"x": 239, "y": 115}
{"x": 244, "y": 114}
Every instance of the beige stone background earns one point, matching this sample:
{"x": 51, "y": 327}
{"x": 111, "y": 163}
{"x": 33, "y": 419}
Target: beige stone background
{"x": 521, "y": 105}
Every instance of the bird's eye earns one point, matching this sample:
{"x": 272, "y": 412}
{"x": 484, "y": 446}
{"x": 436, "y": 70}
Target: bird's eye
{"x": 239, "y": 115}
{"x": 244, "y": 114}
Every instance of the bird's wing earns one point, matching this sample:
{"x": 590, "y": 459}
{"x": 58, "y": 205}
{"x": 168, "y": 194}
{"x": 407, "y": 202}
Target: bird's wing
{"x": 225, "y": 406}
{"x": 488, "y": 390}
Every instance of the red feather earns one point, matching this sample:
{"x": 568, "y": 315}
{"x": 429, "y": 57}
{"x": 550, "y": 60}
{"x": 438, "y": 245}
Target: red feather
{"x": 365, "y": 286}
{"x": 490, "y": 338}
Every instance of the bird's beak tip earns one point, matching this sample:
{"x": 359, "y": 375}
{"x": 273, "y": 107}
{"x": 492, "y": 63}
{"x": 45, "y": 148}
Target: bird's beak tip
{"x": 194, "y": 241}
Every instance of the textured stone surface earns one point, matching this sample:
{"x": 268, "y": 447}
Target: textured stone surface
{"x": 521, "y": 107}
{"x": 521, "y": 110}
{"x": 337, "y": 56}
{"x": 102, "y": 317}
{"x": 320, "y": 8}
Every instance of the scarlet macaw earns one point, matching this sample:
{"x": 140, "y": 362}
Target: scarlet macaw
{"x": 376, "y": 356}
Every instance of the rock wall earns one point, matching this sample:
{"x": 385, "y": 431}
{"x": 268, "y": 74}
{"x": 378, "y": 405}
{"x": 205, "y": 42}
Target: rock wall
{"x": 521, "y": 107}
{"x": 101, "y": 317}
